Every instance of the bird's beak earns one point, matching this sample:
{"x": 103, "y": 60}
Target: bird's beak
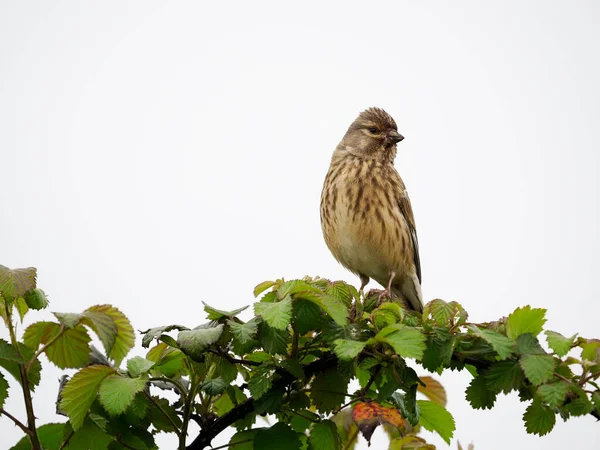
{"x": 394, "y": 137}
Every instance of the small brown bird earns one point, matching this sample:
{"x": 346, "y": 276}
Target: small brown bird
{"x": 366, "y": 215}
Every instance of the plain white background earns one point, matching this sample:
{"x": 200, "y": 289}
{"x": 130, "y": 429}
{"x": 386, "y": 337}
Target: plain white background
{"x": 158, "y": 155}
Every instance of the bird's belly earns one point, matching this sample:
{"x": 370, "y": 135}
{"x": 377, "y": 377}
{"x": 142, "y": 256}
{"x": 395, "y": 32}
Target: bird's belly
{"x": 370, "y": 240}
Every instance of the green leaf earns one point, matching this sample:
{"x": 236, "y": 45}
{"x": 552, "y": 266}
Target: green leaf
{"x": 71, "y": 350}
{"x": 125, "y": 336}
{"x": 3, "y": 390}
{"x": 262, "y": 287}
{"x": 81, "y": 390}
{"x": 261, "y": 381}
{"x": 437, "y": 419}
{"x": 324, "y": 436}
{"x": 554, "y": 393}
{"x": 50, "y": 436}
{"x": 328, "y": 390}
{"x": 406, "y": 341}
{"x": 69, "y": 320}
{"x": 333, "y": 307}
{"x": 528, "y": 344}
{"x": 279, "y": 436}
{"x": 539, "y": 419}
{"x": 138, "y": 366}
{"x": 35, "y": 299}
{"x": 10, "y": 353}
{"x": 500, "y": 343}
{"x": 22, "y": 307}
{"x": 538, "y": 368}
{"x": 479, "y": 395}
{"x": 90, "y": 437}
{"x": 15, "y": 283}
{"x": 306, "y": 315}
{"x": 216, "y": 314}
{"x": 195, "y": 342}
{"x": 407, "y": 404}
{"x": 159, "y": 421}
{"x": 342, "y": 291}
{"x": 277, "y": 314}
{"x": 103, "y": 325}
{"x": 346, "y": 349}
{"x": 580, "y": 405}
{"x": 117, "y": 392}
{"x": 591, "y": 350}
{"x": 243, "y": 332}
{"x": 293, "y": 366}
{"x": 441, "y": 312}
{"x": 270, "y": 402}
{"x": 558, "y": 343}
{"x": 525, "y": 320}
{"x": 156, "y": 332}
{"x": 13, "y": 363}
{"x": 504, "y": 376}
{"x": 243, "y": 440}
{"x": 214, "y": 387}
{"x": 273, "y": 341}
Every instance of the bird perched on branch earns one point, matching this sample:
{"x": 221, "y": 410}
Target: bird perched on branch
{"x": 366, "y": 216}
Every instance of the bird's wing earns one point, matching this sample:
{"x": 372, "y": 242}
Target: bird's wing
{"x": 406, "y": 209}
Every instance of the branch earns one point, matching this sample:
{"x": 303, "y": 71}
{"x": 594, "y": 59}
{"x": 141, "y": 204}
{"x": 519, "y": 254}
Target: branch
{"x": 208, "y": 433}
{"x": 17, "y": 422}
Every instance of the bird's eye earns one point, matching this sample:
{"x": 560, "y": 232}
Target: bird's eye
{"x": 372, "y": 130}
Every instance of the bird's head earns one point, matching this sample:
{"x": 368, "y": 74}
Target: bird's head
{"x": 373, "y": 134}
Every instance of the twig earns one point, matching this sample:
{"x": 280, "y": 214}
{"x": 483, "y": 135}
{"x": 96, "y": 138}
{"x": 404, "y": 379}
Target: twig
{"x": 17, "y": 422}
{"x": 169, "y": 419}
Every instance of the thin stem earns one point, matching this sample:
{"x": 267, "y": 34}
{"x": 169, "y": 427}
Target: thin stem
{"x": 337, "y": 410}
{"x": 591, "y": 377}
{"x": 234, "y": 360}
{"x": 155, "y": 403}
{"x": 16, "y": 421}
{"x": 33, "y": 437}
{"x": 187, "y": 412}
{"x": 64, "y": 444}
{"x": 232, "y": 443}
{"x": 350, "y": 442}
{"x": 44, "y": 347}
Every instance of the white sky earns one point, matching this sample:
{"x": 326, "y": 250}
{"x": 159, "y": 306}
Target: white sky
{"x": 157, "y": 155}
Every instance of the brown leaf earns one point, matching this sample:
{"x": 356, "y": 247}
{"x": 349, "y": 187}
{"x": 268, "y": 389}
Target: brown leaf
{"x": 368, "y": 415}
{"x": 433, "y": 390}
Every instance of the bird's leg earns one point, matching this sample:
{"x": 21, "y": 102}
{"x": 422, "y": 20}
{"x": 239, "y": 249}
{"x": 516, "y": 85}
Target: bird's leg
{"x": 387, "y": 292}
{"x": 364, "y": 280}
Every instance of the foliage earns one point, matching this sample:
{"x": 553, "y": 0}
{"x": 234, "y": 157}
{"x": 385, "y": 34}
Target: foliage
{"x": 294, "y": 361}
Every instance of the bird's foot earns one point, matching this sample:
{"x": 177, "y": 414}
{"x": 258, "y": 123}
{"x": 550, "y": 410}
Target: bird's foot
{"x": 386, "y": 294}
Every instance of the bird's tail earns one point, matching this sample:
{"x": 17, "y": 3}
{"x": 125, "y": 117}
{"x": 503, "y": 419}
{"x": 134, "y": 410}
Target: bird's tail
{"x": 409, "y": 290}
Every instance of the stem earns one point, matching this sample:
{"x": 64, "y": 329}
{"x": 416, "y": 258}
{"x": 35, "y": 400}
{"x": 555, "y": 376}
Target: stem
{"x": 33, "y": 437}
{"x": 16, "y": 421}
{"x": 43, "y": 348}
{"x": 187, "y": 412}
{"x": 155, "y": 403}
{"x": 64, "y": 444}
{"x": 233, "y": 360}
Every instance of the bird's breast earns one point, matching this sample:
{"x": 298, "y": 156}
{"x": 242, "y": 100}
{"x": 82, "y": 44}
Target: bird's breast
{"x": 361, "y": 219}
